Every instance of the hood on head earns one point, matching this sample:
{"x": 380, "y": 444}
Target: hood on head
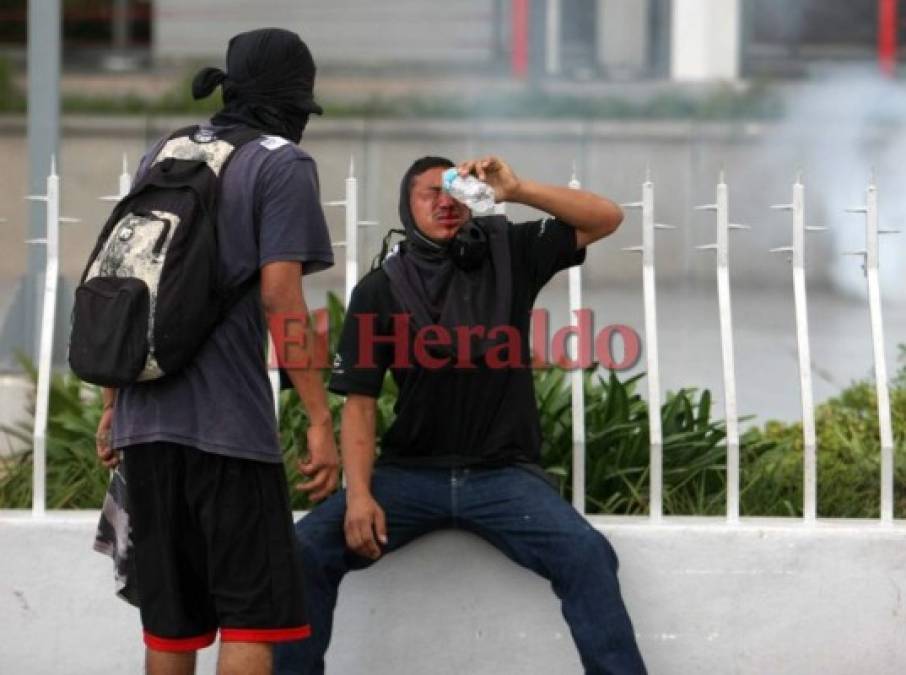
{"x": 418, "y": 167}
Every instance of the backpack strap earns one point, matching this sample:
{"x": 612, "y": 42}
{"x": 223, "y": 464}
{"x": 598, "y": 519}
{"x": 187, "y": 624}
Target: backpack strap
{"x": 237, "y": 137}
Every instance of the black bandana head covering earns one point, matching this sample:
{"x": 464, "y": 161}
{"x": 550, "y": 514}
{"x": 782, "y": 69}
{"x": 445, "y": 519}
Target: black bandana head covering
{"x": 434, "y": 290}
{"x": 268, "y": 85}
{"x": 414, "y": 236}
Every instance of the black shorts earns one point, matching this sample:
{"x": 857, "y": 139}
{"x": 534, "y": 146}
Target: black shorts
{"x": 214, "y": 548}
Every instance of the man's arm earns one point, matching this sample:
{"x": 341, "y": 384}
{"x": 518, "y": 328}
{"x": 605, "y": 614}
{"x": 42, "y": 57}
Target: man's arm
{"x": 593, "y": 216}
{"x": 287, "y": 315}
{"x": 365, "y": 525}
{"x": 106, "y": 454}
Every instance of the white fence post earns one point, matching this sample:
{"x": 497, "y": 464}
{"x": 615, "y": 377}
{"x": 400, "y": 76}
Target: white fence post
{"x": 649, "y": 283}
{"x": 124, "y": 185}
{"x": 870, "y": 267}
{"x": 350, "y": 203}
{"x": 722, "y": 247}
{"x": 577, "y": 383}
{"x": 51, "y": 241}
{"x": 797, "y": 251}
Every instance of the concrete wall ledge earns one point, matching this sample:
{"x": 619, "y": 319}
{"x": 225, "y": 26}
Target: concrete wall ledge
{"x": 766, "y": 596}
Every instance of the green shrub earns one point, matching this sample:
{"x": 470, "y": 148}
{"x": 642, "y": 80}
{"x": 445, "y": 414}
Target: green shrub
{"x": 75, "y": 478}
{"x": 849, "y": 457}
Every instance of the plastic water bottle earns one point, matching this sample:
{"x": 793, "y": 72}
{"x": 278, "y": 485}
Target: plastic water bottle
{"x": 475, "y": 194}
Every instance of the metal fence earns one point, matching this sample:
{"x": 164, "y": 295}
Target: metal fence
{"x": 649, "y": 226}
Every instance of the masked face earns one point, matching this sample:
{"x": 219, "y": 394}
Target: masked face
{"x": 435, "y": 212}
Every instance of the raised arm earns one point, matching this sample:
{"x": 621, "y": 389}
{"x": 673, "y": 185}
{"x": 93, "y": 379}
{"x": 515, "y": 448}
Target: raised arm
{"x": 593, "y": 216}
{"x": 365, "y": 525}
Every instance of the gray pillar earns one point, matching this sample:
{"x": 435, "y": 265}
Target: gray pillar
{"x": 120, "y": 25}
{"x": 623, "y": 35}
{"x": 44, "y": 38}
{"x": 552, "y": 32}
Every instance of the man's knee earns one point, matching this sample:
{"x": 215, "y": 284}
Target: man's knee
{"x": 318, "y": 536}
{"x": 306, "y": 544}
{"x": 593, "y": 549}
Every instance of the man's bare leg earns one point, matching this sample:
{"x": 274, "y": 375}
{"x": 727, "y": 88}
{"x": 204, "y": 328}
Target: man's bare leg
{"x": 245, "y": 658}
{"x": 169, "y": 663}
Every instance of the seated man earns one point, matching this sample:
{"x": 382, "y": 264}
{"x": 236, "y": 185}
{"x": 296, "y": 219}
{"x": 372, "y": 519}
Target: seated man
{"x": 448, "y": 313}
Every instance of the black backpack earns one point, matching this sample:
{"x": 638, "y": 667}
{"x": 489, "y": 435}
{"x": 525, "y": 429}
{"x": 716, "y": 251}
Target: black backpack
{"x": 150, "y": 295}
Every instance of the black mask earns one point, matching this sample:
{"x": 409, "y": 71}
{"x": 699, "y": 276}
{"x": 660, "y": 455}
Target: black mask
{"x": 268, "y": 85}
{"x": 469, "y": 247}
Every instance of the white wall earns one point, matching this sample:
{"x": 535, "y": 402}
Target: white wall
{"x": 338, "y": 31}
{"x": 766, "y": 597}
{"x": 705, "y": 40}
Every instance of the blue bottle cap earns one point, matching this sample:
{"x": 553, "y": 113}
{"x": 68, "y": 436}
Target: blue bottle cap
{"x": 448, "y": 177}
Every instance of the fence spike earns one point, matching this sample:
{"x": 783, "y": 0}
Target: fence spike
{"x": 351, "y": 166}
{"x": 574, "y": 183}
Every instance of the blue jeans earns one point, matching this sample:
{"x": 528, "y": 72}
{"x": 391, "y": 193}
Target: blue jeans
{"x": 515, "y": 511}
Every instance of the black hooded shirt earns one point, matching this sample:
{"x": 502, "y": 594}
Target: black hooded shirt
{"x": 449, "y": 413}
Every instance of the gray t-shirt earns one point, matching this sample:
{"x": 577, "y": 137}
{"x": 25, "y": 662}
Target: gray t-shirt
{"x": 269, "y": 210}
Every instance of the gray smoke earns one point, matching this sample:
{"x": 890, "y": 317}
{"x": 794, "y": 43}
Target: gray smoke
{"x": 849, "y": 124}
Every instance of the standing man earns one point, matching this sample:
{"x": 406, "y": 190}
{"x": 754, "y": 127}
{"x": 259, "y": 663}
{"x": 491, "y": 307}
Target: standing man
{"x": 448, "y": 313}
{"x": 208, "y": 500}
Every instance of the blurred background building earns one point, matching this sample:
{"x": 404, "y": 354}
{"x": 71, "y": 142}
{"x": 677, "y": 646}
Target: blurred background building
{"x": 578, "y": 39}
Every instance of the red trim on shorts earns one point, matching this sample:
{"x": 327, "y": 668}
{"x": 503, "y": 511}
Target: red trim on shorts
{"x": 190, "y": 644}
{"x": 264, "y": 634}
